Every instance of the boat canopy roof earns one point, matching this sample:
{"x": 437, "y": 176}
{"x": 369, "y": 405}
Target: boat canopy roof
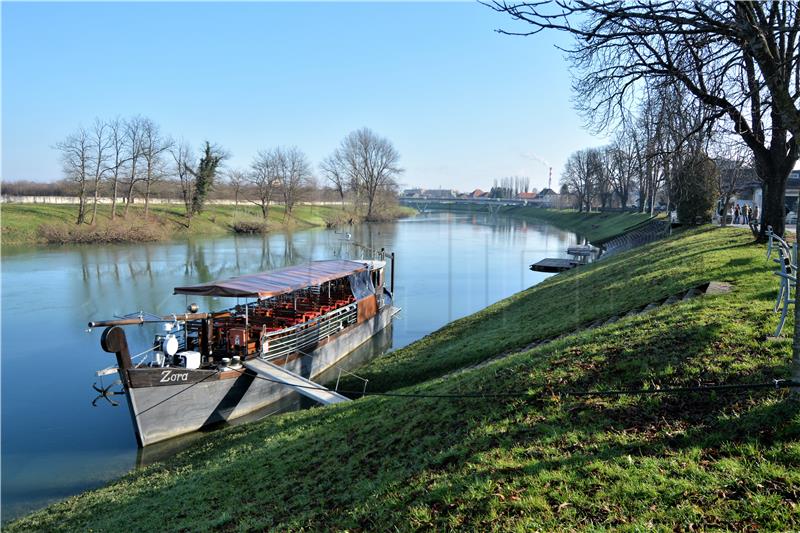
{"x": 276, "y": 282}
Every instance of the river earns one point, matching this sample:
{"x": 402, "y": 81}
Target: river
{"x": 55, "y": 444}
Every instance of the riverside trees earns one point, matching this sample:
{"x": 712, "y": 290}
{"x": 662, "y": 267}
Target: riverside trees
{"x": 365, "y": 163}
{"x": 131, "y": 158}
{"x": 740, "y": 59}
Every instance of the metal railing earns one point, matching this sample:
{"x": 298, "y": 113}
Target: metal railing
{"x": 339, "y": 377}
{"x": 284, "y": 342}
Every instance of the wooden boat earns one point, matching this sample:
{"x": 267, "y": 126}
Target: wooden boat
{"x": 212, "y": 367}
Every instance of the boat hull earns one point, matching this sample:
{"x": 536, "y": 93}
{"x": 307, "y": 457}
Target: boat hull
{"x": 166, "y": 403}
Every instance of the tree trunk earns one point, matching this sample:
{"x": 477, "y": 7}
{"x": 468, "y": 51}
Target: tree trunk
{"x": 82, "y": 204}
{"x": 774, "y": 175}
{"x": 147, "y": 200}
{"x": 128, "y": 200}
{"x": 96, "y": 195}
{"x": 114, "y": 199}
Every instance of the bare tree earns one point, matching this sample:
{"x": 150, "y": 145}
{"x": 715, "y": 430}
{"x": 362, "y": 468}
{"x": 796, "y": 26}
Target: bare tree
{"x": 133, "y": 143}
{"x": 153, "y": 147}
{"x": 181, "y": 156}
{"x": 370, "y": 161}
{"x": 236, "y": 179}
{"x": 620, "y": 156}
{"x": 76, "y": 154}
{"x": 117, "y": 159}
{"x": 264, "y": 176}
{"x": 101, "y": 152}
{"x": 580, "y": 176}
{"x": 739, "y": 58}
{"x": 336, "y": 170}
{"x": 294, "y": 175}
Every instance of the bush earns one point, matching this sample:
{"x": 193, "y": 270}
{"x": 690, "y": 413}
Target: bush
{"x": 250, "y": 226}
{"x": 694, "y": 189}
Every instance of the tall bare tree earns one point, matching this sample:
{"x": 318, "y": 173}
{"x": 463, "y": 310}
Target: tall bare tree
{"x": 264, "y": 176}
{"x": 739, "y": 58}
{"x": 620, "y": 156}
{"x": 294, "y": 175}
{"x": 117, "y": 159}
{"x": 580, "y": 176}
{"x": 154, "y": 145}
{"x": 182, "y": 156}
{"x": 236, "y": 180}
{"x": 134, "y": 132}
{"x": 371, "y": 161}
{"x": 76, "y": 157}
{"x": 335, "y": 170}
{"x": 101, "y": 146}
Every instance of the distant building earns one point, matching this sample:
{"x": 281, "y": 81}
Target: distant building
{"x": 477, "y": 193}
{"x": 547, "y": 197}
{"x": 413, "y": 193}
{"x": 526, "y": 195}
{"x": 439, "y": 194}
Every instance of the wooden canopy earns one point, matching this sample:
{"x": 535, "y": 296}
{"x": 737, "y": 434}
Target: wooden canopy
{"x": 276, "y": 282}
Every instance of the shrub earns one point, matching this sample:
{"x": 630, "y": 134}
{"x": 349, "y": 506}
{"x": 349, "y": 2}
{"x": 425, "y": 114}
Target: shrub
{"x": 694, "y": 188}
{"x": 250, "y": 226}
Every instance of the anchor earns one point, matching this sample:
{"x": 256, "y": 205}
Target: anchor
{"x": 106, "y": 392}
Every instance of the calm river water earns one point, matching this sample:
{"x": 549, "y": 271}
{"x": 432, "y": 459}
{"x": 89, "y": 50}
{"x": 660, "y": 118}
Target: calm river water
{"x": 55, "y": 444}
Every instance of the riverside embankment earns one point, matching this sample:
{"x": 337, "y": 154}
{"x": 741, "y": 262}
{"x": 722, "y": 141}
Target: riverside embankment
{"x": 595, "y": 226}
{"x": 55, "y": 223}
{"x": 526, "y": 458}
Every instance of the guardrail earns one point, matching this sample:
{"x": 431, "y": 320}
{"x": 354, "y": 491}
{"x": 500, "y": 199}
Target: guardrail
{"x": 284, "y": 342}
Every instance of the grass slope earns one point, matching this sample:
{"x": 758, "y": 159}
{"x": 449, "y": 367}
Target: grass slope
{"x": 597, "y": 227}
{"x": 22, "y": 223}
{"x": 729, "y": 461}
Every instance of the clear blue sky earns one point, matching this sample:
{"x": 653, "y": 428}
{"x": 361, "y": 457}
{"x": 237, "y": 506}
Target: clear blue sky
{"x": 462, "y": 104}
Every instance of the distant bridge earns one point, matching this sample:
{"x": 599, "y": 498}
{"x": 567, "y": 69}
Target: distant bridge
{"x": 492, "y": 204}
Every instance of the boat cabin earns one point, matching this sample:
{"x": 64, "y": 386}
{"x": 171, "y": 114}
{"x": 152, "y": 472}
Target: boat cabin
{"x": 293, "y": 310}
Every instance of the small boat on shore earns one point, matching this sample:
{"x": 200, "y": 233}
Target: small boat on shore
{"x": 211, "y": 367}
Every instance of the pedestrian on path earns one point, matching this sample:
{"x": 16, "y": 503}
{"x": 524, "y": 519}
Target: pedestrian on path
{"x": 736, "y": 214}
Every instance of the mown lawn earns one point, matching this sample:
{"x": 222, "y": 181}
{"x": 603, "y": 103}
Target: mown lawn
{"x": 544, "y": 462}
{"x": 595, "y": 226}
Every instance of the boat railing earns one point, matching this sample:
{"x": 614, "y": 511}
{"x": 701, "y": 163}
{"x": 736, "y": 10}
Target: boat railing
{"x": 294, "y": 339}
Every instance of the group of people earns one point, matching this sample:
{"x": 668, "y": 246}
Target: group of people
{"x": 743, "y": 214}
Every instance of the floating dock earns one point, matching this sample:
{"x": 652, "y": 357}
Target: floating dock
{"x": 554, "y": 265}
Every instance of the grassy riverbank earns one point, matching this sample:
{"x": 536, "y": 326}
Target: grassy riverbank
{"x": 597, "y": 227}
{"x": 726, "y": 460}
{"x": 52, "y": 223}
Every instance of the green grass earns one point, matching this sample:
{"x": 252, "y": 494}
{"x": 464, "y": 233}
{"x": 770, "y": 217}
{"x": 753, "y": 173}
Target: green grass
{"x": 597, "y": 227}
{"x": 696, "y": 461}
{"x": 22, "y": 223}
